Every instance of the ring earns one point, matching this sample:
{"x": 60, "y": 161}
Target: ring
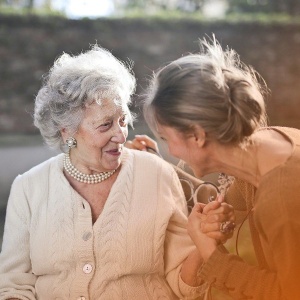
{"x": 211, "y": 198}
{"x": 227, "y": 227}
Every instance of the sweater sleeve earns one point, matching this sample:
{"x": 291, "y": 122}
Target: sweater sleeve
{"x": 16, "y": 278}
{"x": 277, "y": 220}
{"x": 178, "y": 245}
{"x": 230, "y": 274}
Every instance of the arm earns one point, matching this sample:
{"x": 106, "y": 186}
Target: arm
{"x": 182, "y": 259}
{"x": 231, "y": 274}
{"x": 16, "y": 278}
{"x": 185, "y": 268}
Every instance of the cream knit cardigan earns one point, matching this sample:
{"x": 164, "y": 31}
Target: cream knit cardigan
{"x": 51, "y": 249}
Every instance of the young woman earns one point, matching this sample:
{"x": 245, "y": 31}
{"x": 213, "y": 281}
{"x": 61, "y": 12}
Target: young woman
{"x": 209, "y": 109}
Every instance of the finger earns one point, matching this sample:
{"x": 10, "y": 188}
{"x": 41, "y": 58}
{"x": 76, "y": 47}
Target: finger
{"x": 139, "y": 145}
{"x": 224, "y": 208}
{"x": 134, "y": 144}
{"x": 198, "y": 208}
{"x": 213, "y": 218}
{"x": 210, "y": 227}
{"x": 224, "y": 228}
{"x": 211, "y": 206}
{"x": 220, "y": 198}
{"x": 194, "y": 220}
{"x": 128, "y": 144}
{"x": 149, "y": 141}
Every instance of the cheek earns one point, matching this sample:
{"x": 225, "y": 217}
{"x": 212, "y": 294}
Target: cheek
{"x": 125, "y": 132}
{"x": 97, "y": 140}
{"x": 175, "y": 151}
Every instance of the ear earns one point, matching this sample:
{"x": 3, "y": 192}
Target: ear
{"x": 64, "y": 133}
{"x": 200, "y": 136}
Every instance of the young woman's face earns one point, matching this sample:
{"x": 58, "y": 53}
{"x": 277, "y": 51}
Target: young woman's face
{"x": 183, "y": 147}
{"x": 101, "y": 136}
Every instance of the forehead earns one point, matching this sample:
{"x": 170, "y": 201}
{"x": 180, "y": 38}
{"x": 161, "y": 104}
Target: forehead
{"x": 106, "y": 109}
{"x": 169, "y": 132}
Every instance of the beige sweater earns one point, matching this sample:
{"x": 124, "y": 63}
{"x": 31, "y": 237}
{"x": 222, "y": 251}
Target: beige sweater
{"x": 274, "y": 221}
{"x": 51, "y": 249}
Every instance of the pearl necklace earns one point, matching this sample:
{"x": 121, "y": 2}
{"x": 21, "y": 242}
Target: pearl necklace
{"x": 85, "y": 178}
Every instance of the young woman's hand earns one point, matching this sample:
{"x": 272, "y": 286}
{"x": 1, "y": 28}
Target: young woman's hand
{"x": 211, "y": 224}
{"x": 218, "y": 220}
{"x": 143, "y": 143}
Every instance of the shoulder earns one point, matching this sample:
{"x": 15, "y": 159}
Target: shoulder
{"x": 151, "y": 168}
{"x": 150, "y": 161}
{"x": 42, "y": 170}
{"x": 290, "y": 133}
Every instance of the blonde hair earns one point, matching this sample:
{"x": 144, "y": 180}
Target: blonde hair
{"x": 212, "y": 89}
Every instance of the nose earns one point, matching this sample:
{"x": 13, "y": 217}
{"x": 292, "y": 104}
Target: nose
{"x": 119, "y": 135}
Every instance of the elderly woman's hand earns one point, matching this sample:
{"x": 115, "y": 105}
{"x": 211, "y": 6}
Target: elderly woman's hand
{"x": 205, "y": 244}
{"x": 143, "y": 143}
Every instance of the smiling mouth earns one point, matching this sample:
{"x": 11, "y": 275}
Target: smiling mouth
{"x": 116, "y": 151}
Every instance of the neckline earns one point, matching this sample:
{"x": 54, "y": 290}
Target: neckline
{"x": 291, "y": 140}
{"x": 114, "y": 189}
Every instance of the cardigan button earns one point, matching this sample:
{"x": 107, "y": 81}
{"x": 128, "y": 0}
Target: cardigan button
{"x": 87, "y": 268}
{"x": 86, "y": 236}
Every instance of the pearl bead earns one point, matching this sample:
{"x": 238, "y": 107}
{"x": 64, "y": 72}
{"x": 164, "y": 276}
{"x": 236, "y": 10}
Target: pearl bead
{"x": 81, "y": 177}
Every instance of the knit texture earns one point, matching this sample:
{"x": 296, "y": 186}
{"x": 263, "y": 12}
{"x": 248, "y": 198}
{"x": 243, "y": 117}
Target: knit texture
{"x": 275, "y": 229}
{"x": 52, "y": 250}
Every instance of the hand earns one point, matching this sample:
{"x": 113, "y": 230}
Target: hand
{"x": 141, "y": 142}
{"x": 217, "y": 216}
{"x": 205, "y": 244}
{"x": 205, "y": 222}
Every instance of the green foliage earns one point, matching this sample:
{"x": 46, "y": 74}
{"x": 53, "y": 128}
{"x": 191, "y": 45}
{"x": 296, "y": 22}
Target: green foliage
{"x": 175, "y": 15}
{"x": 263, "y": 18}
{"x": 290, "y": 7}
{"x": 43, "y": 11}
{"x": 137, "y": 13}
{"x": 24, "y": 7}
{"x": 157, "y": 5}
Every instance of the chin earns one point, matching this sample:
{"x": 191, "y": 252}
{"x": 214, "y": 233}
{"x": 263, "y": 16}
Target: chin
{"x": 114, "y": 165}
{"x": 198, "y": 173}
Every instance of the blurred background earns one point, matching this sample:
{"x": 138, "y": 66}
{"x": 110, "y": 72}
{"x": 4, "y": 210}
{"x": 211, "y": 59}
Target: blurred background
{"x": 266, "y": 34}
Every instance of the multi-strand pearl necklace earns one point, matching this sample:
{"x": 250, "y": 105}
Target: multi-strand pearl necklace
{"x": 85, "y": 178}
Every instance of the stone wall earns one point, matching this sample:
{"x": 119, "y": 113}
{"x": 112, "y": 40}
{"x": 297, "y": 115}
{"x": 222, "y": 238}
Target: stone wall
{"x": 29, "y": 45}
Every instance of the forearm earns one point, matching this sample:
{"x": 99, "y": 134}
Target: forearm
{"x": 16, "y": 278}
{"x": 190, "y": 268}
{"x": 240, "y": 280}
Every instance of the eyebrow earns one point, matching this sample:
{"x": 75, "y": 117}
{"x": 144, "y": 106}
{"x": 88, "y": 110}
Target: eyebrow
{"x": 108, "y": 118}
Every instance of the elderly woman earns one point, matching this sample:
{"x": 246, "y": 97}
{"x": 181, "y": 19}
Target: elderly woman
{"x": 100, "y": 221}
{"x": 209, "y": 109}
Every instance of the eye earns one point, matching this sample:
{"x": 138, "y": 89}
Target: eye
{"x": 105, "y": 126}
{"x": 163, "y": 139}
{"x": 123, "y": 121}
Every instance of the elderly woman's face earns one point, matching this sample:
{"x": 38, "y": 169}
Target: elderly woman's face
{"x": 101, "y": 136}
